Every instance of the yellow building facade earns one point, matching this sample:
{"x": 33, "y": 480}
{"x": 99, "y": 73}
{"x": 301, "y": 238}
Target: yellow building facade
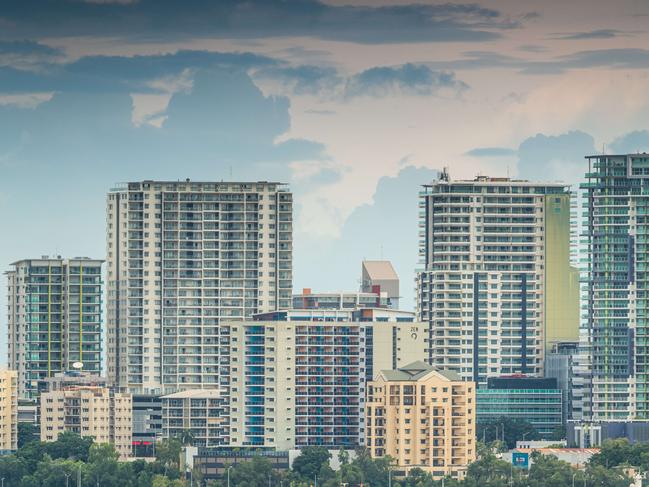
{"x": 422, "y": 417}
{"x": 8, "y": 410}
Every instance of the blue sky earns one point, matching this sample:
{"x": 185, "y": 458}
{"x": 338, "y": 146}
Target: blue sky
{"x": 354, "y": 103}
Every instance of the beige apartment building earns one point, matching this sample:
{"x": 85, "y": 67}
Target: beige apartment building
{"x": 422, "y": 417}
{"x": 8, "y": 411}
{"x": 88, "y": 410}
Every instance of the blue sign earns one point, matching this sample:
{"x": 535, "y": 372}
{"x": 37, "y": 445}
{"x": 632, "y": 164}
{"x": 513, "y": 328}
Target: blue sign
{"x": 521, "y": 459}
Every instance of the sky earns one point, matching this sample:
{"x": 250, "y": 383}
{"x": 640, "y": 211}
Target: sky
{"x": 355, "y": 104}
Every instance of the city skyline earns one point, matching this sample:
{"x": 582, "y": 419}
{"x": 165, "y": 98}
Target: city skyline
{"x": 354, "y": 113}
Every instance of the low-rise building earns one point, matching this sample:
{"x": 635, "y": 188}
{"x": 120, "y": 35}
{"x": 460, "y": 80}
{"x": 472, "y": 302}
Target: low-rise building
{"x": 202, "y": 414}
{"x": 533, "y": 399}
{"x": 147, "y": 424}
{"x": 589, "y": 434}
{"x": 8, "y": 411}
{"x": 422, "y": 417}
{"x": 78, "y": 403}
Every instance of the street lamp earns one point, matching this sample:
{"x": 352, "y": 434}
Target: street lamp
{"x": 67, "y": 479}
{"x": 389, "y": 477}
{"x": 229, "y": 475}
{"x": 573, "y": 479}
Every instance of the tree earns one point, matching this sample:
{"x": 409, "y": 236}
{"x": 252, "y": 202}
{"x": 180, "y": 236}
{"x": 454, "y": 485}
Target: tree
{"x": 514, "y": 430}
{"x": 254, "y": 473}
{"x": 70, "y": 445}
{"x": 168, "y": 451}
{"x": 27, "y": 432}
{"x": 186, "y": 438}
{"x": 311, "y": 461}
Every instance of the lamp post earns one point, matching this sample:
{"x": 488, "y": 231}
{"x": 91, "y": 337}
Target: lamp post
{"x": 389, "y": 477}
{"x": 229, "y": 475}
{"x": 67, "y": 478}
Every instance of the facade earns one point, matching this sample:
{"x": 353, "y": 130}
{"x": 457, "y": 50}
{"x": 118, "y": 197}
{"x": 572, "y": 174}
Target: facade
{"x": 340, "y": 300}
{"x": 76, "y": 404}
{"x": 559, "y": 365}
{"x": 8, "y": 411}
{"x": 202, "y": 413}
{"x": 182, "y": 256}
{"x": 422, "y": 417}
{"x": 213, "y": 463}
{"x": 147, "y": 424}
{"x": 496, "y": 285}
{"x": 590, "y": 434}
{"x": 378, "y": 276}
{"x": 535, "y": 400}
{"x": 54, "y": 318}
{"x": 298, "y": 377}
{"x": 617, "y": 232}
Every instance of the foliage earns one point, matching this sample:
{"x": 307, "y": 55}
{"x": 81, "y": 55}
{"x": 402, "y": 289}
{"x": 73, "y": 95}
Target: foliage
{"x": 27, "y": 432}
{"x": 39, "y": 464}
{"x": 506, "y": 428}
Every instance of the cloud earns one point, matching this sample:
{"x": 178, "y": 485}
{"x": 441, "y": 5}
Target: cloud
{"x": 592, "y": 34}
{"x": 637, "y": 141}
{"x": 26, "y": 53}
{"x": 491, "y": 152}
{"x": 385, "y": 228}
{"x": 410, "y": 79}
{"x": 122, "y": 74}
{"x": 255, "y": 19}
{"x": 619, "y": 58}
{"x": 555, "y": 157}
{"x": 303, "y": 79}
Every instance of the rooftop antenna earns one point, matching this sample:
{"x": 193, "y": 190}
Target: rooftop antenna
{"x": 444, "y": 176}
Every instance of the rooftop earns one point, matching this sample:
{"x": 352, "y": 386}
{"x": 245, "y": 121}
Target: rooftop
{"x": 416, "y": 370}
{"x": 380, "y": 269}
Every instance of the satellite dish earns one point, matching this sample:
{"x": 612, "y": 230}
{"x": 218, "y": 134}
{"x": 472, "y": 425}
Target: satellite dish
{"x": 77, "y": 365}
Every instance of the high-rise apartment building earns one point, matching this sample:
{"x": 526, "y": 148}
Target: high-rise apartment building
{"x": 54, "y": 318}
{"x": 182, "y": 257}
{"x": 424, "y": 418}
{"x": 81, "y": 404}
{"x": 298, "y": 376}
{"x": 497, "y": 287}
{"x": 8, "y": 411}
{"x": 617, "y": 233}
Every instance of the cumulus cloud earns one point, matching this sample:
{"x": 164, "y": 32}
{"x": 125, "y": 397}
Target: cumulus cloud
{"x": 366, "y": 234}
{"x": 636, "y": 141}
{"x": 555, "y": 157}
{"x": 410, "y": 79}
{"x": 492, "y": 152}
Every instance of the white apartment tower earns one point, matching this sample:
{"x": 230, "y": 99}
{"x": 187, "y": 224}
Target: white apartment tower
{"x": 497, "y": 288}
{"x": 183, "y": 256}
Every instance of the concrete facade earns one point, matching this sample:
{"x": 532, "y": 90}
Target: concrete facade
{"x": 299, "y": 380}
{"x": 182, "y": 257}
{"x": 496, "y": 285}
{"x": 423, "y": 418}
{"x": 88, "y": 411}
{"x": 8, "y": 411}
{"x": 54, "y": 318}
{"x": 202, "y": 413}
